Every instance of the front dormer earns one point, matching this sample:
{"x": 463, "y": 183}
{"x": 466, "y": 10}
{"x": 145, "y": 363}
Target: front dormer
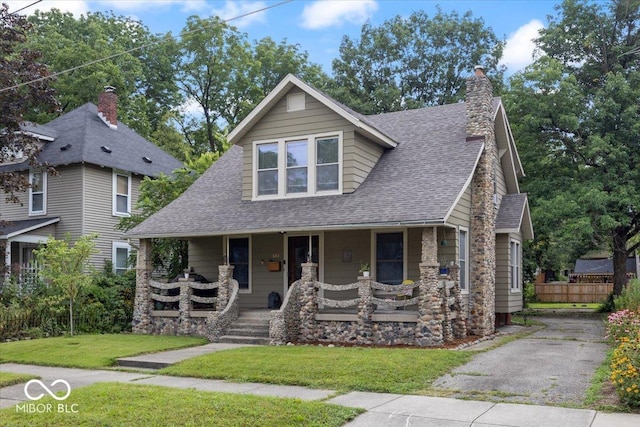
{"x": 298, "y": 142}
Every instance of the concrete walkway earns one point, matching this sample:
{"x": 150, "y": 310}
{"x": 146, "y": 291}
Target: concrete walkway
{"x": 167, "y": 358}
{"x": 383, "y": 410}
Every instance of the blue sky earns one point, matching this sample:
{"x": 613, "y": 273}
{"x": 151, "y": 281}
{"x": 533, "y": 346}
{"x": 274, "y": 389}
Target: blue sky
{"x": 318, "y": 26}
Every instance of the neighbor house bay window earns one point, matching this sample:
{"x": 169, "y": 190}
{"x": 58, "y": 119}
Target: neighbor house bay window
{"x": 308, "y": 165}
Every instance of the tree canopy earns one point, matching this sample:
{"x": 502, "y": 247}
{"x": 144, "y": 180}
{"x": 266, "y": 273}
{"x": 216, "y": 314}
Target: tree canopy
{"x": 576, "y": 113}
{"x": 19, "y": 65}
{"x": 414, "y": 62}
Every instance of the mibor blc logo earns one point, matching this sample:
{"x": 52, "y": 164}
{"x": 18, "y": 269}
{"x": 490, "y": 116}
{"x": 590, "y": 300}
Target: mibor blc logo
{"x": 34, "y": 389}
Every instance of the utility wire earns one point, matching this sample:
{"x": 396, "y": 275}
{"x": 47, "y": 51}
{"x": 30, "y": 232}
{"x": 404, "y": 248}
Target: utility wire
{"x": 25, "y": 7}
{"x": 115, "y": 55}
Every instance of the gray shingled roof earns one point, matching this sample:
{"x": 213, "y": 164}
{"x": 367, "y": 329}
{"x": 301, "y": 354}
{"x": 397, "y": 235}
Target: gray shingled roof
{"x": 85, "y": 133}
{"x": 416, "y": 182}
{"x": 601, "y": 266}
{"x": 9, "y": 228}
{"x": 511, "y": 210}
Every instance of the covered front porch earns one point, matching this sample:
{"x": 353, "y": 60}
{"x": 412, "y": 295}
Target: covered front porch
{"x": 324, "y": 292}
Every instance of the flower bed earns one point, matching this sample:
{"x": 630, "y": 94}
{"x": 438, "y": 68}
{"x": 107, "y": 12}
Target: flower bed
{"x": 623, "y": 331}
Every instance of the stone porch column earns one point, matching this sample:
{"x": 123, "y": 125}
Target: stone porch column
{"x": 141, "y": 323}
{"x": 225, "y": 274}
{"x": 459, "y": 324}
{"x": 308, "y": 299}
{"x": 365, "y": 311}
{"x": 429, "y": 325}
{"x": 184, "y": 306}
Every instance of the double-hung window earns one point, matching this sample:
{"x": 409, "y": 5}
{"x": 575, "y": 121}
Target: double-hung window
{"x": 37, "y": 193}
{"x": 121, "y": 194}
{"x": 515, "y": 265}
{"x": 308, "y": 165}
{"x": 120, "y": 257}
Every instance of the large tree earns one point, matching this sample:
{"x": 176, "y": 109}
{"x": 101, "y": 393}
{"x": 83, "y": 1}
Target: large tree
{"x": 24, "y": 88}
{"x": 139, "y": 64}
{"x": 576, "y": 112}
{"x": 414, "y": 61}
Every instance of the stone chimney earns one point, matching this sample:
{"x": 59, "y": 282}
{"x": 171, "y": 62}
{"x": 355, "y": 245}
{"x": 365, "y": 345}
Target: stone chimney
{"x": 108, "y": 107}
{"x": 480, "y": 129}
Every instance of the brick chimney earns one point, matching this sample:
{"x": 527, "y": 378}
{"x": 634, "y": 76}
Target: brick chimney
{"x": 480, "y": 129}
{"x": 108, "y": 107}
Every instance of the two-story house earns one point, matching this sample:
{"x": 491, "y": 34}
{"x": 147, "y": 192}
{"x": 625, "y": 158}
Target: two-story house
{"x": 99, "y": 163}
{"x": 310, "y": 183}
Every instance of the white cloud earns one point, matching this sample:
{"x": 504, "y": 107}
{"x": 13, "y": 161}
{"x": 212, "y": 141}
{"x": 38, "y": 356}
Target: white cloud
{"x": 518, "y": 52}
{"x": 233, "y": 9}
{"x": 76, "y": 7}
{"x": 334, "y": 13}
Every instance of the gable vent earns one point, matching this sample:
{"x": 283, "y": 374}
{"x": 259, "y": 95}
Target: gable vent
{"x": 147, "y": 160}
{"x": 65, "y": 148}
{"x": 105, "y": 149}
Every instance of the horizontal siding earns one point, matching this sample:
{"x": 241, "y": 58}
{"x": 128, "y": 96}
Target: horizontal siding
{"x": 506, "y": 301}
{"x": 205, "y": 255}
{"x": 339, "y": 272}
{"x": 98, "y": 210}
{"x": 14, "y": 211}
{"x": 66, "y": 200}
{"x": 414, "y": 254}
{"x": 461, "y": 213}
{"x": 359, "y": 154}
{"x": 263, "y": 281}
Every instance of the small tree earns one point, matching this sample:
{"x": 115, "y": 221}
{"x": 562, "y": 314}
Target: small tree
{"x": 66, "y": 267}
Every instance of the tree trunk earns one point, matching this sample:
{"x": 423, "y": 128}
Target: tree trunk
{"x": 71, "y": 316}
{"x": 620, "y": 255}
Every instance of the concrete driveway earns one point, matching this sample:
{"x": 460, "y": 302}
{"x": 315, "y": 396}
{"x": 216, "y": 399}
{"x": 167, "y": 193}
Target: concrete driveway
{"x": 551, "y": 366}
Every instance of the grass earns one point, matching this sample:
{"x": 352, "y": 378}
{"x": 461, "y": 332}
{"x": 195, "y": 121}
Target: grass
{"x": 397, "y": 370}
{"x": 562, "y": 305}
{"x": 7, "y": 378}
{"x": 112, "y": 404}
{"x": 89, "y": 351}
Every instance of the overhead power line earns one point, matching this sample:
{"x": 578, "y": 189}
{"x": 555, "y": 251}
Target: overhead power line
{"x": 25, "y": 7}
{"x": 115, "y": 55}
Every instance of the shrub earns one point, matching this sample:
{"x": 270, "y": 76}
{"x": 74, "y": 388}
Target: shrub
{"x": 608, "y": 305}
{"x": 630, "y": 296}
{"x": 625, "y": 370}
{"x": 529, "y": 294}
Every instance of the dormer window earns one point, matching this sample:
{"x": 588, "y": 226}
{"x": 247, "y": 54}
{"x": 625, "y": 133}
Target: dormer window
{"x": 309, "y": 165}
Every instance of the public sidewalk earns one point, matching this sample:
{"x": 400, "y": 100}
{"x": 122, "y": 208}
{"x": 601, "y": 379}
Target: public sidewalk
{"x": 383, "y": 410}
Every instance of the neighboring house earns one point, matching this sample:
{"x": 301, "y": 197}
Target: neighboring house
{"x": 100, "y": 163}
{"x": 600, "y": 270}
{"x": 310, "y": 187}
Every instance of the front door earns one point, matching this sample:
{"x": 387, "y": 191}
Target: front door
{"x": 299, "y": 254}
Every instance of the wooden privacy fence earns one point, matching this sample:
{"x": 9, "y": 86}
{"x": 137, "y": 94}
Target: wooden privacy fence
{"x": 573, "y": 292}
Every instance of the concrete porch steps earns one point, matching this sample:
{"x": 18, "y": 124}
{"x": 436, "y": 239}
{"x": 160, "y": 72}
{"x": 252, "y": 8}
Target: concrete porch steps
{"x": 251, "y": 327}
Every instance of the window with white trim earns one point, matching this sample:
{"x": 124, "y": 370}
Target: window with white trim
{"x": 121, "y": 194}
{"x": 37, "y": 193}
{"x": 120, "y": 257}
{"x": 515, "y": 266}
{"x": 463, "y": 259}
{"x": 300, "y": 166}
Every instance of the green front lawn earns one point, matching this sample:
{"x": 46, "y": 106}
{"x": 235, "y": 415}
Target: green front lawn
{"x": 393, "y": 370}
{"x": 111, "y": 404}
{"x": 89, "y": 351}
{"x": 563, "y": 305}
{"x": 7, "y": 378}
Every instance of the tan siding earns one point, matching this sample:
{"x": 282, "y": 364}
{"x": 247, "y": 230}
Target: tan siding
{"x": 506, "y": 301}
{"x": 360, "y": 154}
{"x": 461, "y": 213}
{"x": 65, "y": 200}
{"x": 14, "y": 211}
{"x": 98, "y": 212}
{"x": 359, "y": 158}
{"x": 205, "y": 255}
{"x": 414, "y": 253}
{"x": 263, "y": 281}
{"x": 337, "y": 272}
